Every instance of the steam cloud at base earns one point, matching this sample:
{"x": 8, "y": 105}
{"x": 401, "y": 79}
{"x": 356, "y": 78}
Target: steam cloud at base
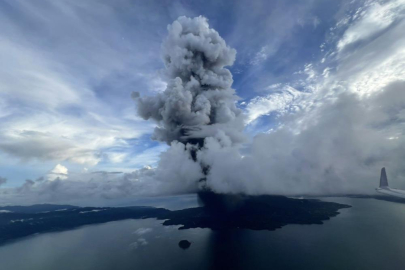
{"x": 337, "y": 148}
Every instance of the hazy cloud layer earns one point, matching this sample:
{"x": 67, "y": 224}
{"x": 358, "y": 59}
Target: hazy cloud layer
{"x": 176, "y": 173}
{"x": 2, "y": 180}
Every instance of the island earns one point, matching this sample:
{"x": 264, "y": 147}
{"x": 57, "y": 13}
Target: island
{"x": 219, "y": 212}
{"x": 184, "y": 244}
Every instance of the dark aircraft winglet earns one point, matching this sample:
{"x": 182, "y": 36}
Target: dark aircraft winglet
{"x": 383, "y": 178}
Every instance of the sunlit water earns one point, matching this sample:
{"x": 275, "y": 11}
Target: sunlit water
{"x": 370, "y": 235}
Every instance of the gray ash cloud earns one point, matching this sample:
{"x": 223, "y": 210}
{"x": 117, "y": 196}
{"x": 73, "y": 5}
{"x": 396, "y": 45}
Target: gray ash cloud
{"x": 198, "y": 101}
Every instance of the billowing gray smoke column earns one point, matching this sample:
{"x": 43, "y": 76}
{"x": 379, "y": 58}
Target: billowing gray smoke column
{"x": 198, "y": 102}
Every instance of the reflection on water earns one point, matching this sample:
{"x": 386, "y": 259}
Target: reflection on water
{"x": 367, "y": 236}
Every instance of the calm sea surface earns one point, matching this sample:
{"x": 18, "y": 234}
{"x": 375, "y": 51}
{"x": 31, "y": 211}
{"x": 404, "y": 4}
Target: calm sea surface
{"x": 370, "y": 235}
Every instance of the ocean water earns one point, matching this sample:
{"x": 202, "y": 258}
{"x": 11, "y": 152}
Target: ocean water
{"x": 370, "y": 235}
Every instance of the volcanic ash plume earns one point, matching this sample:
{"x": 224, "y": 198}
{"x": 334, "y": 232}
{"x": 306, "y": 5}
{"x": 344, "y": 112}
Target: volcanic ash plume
{"x": 198, "y": 102}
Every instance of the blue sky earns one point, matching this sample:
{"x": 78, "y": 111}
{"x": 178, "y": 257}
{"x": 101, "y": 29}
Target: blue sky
{"x": 68, "y": 69}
